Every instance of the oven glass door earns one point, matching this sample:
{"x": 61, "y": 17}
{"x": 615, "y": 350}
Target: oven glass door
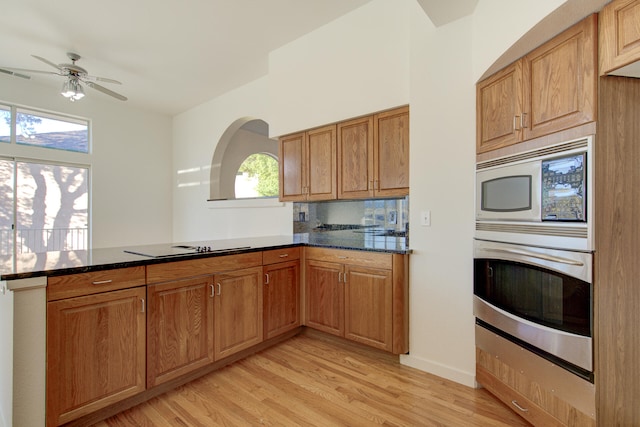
{"x": 537, "y": 294}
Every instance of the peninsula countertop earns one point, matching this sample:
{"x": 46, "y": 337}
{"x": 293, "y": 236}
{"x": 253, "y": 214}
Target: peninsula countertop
{"x": 29, "y": 265}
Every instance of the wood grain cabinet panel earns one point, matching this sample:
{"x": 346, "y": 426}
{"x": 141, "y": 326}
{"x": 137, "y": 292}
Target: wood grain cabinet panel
{"x": 553, "y": 88}
{"x": 368, "y": 306}
{"x": 619, "y": 36}
{"x": 359, "y": 295}
{"x": 95, "y": 352}
{"x": 356, "y": 174}
{"x": 180, "y": 328}
{"x": 281, "y": 298}
{"x": 238, "y": 311}
{"x": 324, "y": 296}
{"x": 391, "y": 153}
{"x": 308, "y": 165}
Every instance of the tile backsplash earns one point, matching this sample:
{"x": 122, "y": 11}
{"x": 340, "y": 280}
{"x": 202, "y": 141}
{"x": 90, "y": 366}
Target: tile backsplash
{"x": 390, "y": 214}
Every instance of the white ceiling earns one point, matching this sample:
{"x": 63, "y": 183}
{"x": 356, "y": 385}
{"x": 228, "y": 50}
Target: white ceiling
{"x": 170, "y": 55}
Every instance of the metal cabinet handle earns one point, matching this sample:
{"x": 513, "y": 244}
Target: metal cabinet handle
{"x": 213, "y": 292}
{"x": 515, "y": 403}
{"x": 339, "y": 276}
{"x": 522, "y": 122}
{"x": 218, "y": 288}
{"x": 342, "y": 257}
{"x": 266, "y": 276}
{"x": 102, "y": 282}
{"x": 515, "y": 123}
{"x": 283, "y": 255}
{"x": 142, "y": 308}
{"x": 344, "y": 276}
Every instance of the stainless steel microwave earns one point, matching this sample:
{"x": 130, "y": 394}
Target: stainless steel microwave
{"x": 540, "y": 197}
{"x": 541, "y": 185}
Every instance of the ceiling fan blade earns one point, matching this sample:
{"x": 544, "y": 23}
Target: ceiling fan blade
{"x": 13, "y": 73}
{"x": 105, "y": 90}
{"x": 46, "y": 61}
{"x": 100, "y": 79}
{"x": 25, "y": 70}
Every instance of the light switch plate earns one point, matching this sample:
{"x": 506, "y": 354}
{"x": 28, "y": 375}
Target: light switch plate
{"x": 425, "y": 218}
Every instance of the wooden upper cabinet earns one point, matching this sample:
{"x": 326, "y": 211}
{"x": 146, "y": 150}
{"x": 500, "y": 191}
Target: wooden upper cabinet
{"x": 499, "y": 109}
{"x": 321, "y": 161}
{"x": 553, "y": 88}
{"x": 308, "y": 165}
{"x": 355, "y": 159}
{"x": 560, "y": 81}
{"x": 373, "y": 156}
{"x": 292, "y": 168}
{"x": 391, "y": 153}
{"x": 620, "y": 37}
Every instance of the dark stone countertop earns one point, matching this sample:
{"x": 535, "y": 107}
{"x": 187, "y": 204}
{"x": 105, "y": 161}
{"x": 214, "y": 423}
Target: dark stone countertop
{"x": 72, "y": 262}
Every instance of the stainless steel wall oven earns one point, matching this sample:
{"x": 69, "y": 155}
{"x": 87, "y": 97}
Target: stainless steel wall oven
{"x": 539, "y": 298}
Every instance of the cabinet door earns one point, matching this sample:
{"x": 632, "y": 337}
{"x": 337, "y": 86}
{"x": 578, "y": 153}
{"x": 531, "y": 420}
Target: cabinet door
{"x": 619, "y": 35}
{"x": 95, "y": 352}
{"x": 498, "y": 109}
{"x": 324, "y": 296}
{"x": 179, "y": 328}
{"x": 355, "y": 159}
{"x": 281, "y": 298}
{"x": 391, "y": 153}
{"x": 561, "y": 81}
{"x": 238, "y": 311}
{"x": 292, "y": 168}
{"x": 321, "y": 163}
{"x": 368, "y": 306}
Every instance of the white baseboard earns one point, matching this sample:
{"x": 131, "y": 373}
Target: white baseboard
{"x": 462, "y": 377}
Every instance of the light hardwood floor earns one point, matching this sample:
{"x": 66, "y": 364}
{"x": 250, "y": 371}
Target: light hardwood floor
{"x": 317, "y": 380}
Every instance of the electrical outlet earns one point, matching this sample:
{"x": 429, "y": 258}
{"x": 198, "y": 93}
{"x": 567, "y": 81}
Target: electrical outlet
{"x": 425, "y": 218}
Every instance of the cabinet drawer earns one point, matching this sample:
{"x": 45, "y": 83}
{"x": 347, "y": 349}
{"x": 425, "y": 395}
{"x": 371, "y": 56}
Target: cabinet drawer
{"x": 197, "y": 267}
{"x": 73, "y": 285}
{"x": 364, "y": 258}
{"x": 516, "y": 401}
{"x": 280, "y": 255}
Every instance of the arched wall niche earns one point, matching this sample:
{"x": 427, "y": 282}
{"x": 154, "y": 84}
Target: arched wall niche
{"x": 245, "y": 136}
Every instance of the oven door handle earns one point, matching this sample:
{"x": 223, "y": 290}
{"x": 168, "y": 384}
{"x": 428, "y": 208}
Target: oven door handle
{"x": 538, "y": 255}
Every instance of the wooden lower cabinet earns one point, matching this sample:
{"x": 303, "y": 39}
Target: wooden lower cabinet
{"x": 238, "y": 311}
{"x": 179, "y": 328}
{"x": 95, "y": 352}
{"x": 281, "y": 294}
{"x": 324, "y": 296}
{"x": 368, "y": 306}
{"x": 358, "y": 295}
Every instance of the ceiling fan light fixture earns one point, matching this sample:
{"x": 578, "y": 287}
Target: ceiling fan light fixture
{"x": 72, "y": 89}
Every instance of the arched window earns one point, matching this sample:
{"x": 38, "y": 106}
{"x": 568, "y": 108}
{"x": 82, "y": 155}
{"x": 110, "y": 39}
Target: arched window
{"x": 257, "y": 176}
{"x": 245, "y": 162}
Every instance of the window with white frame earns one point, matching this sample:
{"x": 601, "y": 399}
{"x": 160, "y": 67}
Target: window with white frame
{"x": 44, "y": 203}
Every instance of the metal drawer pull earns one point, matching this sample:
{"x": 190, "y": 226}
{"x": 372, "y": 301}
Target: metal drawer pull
{"x": 515, "y": 403}
{"x": 218, "y": 288}
{"x": 266, "y": 276}
{"x": 102, "y": 282}
{"x": 142, "y": 301}
{"x": 284, "y": 255}
{"x": 339, "y": 276}
{"x": 213, "y": 292}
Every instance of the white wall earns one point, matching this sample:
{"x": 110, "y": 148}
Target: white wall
{"x": 131, "y": 183}
{"x": 355, "y": 65}
{"x": 195, "y": 134}
{"x": 383, "y": 54}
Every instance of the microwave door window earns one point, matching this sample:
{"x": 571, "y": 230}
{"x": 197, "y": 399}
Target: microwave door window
{"x": 507, "y": 194}
{"x": 563, "y": 188}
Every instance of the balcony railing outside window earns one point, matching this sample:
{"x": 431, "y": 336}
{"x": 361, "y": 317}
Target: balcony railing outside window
{"x": 43, "y": 240}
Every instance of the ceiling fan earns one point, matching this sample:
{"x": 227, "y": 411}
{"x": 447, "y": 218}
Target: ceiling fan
{"x": 75, "y": 77}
